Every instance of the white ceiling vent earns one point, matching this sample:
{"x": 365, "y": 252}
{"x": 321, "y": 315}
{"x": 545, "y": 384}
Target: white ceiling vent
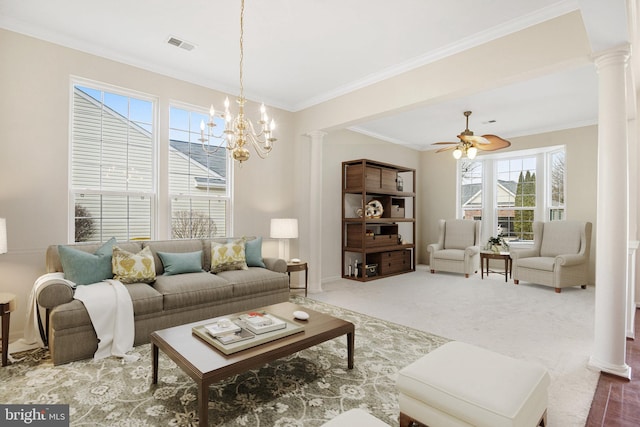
{"x": 174, "y": 41}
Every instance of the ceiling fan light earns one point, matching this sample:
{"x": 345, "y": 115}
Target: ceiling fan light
{"x": 457, "y": 153}
{"x": 471, "y": 152}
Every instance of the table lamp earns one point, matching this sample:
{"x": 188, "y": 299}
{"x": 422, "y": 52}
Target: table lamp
{"x": 284, "y": 229}
{"x": 3, "y": 236}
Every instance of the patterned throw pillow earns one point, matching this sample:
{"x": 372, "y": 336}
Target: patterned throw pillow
{"x": 133, "y": 268}
{"x": 228, "y": 256}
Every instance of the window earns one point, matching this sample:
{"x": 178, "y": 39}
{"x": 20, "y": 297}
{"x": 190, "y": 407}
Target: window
{"x": 112, "y": 164}
{"x": 557, "y": 182}
{"x": 471, "y": 189}
{"x": 507, "y": 192}
{"x": 199, "y": 185}
{"x": 516, "y": 197}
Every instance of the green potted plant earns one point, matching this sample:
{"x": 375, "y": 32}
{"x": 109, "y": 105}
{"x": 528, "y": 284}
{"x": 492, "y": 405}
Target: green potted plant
{"x": 495, "y": 243}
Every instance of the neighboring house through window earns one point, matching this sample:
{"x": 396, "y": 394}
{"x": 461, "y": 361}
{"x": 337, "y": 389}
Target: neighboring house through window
{"x": 114, "y": 176}
{"x": 112, "y": 164}
{"x": 198, "y": 179}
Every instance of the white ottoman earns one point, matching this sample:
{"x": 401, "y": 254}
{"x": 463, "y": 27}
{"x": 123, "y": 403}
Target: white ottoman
{"x": 462, "y": 385}
{"x": 355, "y": 418}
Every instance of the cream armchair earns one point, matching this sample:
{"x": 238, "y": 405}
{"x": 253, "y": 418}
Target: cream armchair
{"x": 559, "y": 257}
{"x": 458, "y": 247}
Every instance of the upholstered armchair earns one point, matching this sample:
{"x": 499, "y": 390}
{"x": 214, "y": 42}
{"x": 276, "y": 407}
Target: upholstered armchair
{"x": 458, "y": 247}
{"x": 559, "y": 257}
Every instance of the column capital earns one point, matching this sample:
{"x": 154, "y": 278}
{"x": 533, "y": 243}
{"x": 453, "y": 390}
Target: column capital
{"x": 316, "y": 135}
{"x": 616, "y": 55}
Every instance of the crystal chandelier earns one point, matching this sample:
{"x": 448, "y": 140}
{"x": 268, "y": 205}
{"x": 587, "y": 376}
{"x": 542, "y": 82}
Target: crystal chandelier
{"x": 239, "y": 130}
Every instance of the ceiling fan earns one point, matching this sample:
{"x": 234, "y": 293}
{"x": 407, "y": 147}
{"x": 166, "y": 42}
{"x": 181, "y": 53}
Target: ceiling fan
{"x": 469, "y": 143}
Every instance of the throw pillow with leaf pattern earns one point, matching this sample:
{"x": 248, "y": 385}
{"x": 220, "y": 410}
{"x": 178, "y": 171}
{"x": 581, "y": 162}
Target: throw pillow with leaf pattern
{"x": 133, "y": 268}
{"x": 228, "y": 256}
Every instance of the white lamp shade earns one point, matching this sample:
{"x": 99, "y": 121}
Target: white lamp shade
{"x": 284, "y": 228}
{"x": 471, "y": 152}
{"x": 3, "y": 236}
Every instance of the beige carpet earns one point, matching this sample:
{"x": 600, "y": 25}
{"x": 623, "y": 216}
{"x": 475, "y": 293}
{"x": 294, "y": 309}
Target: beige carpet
{"x": 527, "y": 321}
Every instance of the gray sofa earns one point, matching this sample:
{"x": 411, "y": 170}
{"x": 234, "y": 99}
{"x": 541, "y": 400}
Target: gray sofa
{"x": 169, "y": 301}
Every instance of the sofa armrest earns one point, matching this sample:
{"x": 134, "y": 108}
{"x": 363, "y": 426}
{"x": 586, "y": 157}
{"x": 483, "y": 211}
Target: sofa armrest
{"x": 472, "y": 250}
{"x": 523, "y": 253}
{"x": 433, "y": 247}
{"x": 571, "y": 259}
{"x": 54, "y": 295}
{"x": 275, "y": 264}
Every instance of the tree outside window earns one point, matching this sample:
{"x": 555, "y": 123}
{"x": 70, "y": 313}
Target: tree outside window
{"x": 557, "y": 184}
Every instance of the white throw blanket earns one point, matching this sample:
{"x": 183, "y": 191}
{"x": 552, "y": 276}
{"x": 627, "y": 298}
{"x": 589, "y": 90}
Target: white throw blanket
{"x": 32, "y": 337}
{"x": 111, "y": 311}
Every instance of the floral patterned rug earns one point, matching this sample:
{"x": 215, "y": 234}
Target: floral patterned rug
{"x": 305, "y": 389}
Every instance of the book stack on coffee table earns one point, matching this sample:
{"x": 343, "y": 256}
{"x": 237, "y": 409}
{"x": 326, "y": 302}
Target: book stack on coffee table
{"x": 238, "y": 332}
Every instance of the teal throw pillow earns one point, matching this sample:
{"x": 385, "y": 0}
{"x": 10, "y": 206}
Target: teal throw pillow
{"x": 253, "y": 252}
{"x": 84, "y": 268}
{"x": 179, "y": 263}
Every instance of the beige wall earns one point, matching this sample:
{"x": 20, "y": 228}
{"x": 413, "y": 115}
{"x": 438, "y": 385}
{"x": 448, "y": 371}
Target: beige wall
{"x": 34, "y": 156}
{"x": 340, "y": 146}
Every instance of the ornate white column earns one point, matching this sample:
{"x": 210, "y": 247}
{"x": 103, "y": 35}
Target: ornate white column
{"x": 315, "y": 211}
{"x": 612, "y": 231}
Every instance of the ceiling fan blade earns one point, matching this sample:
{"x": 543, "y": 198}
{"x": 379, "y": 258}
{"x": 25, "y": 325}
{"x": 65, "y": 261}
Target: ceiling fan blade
{"x": 494, "y": 143}
{"x": 473, "y": 139}
{"x": 453, "y": 147}
{"x": 442, "y": 143}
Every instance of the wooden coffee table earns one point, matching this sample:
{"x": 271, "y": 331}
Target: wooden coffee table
{"x": 206, "y": 365}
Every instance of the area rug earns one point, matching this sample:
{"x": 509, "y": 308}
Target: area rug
{"x": 306, "y": 389}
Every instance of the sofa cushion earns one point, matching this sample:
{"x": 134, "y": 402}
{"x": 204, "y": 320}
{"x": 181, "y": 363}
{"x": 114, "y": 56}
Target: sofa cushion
{"x": 180, "y": 263}
{"x": 255, "y": 280}
{"x": 537, "y": 263}
{"x": 451, "y": 254}
{"x": 145, "y": 299}
{"x": 172, "y": 246}
{"x": 133, "y": 268}
{"x": 192, "y": 289}
{"x": 82, "y": 267}
{"x": 228, "y": 256}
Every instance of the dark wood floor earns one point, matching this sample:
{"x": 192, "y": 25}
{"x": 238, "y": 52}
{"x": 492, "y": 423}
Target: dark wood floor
{"x": 617, "y": 401}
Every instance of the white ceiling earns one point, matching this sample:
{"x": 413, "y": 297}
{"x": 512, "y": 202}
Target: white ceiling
{"x": 299, "y": 53}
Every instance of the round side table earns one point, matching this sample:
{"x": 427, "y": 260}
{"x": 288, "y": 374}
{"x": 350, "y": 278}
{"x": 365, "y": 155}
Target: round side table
{"x": 7, "y": 305}
{"x": 299, "y": 266}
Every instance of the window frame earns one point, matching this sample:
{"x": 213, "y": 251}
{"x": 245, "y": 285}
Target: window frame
{"x": 227, "y": 198}
{"x": 76, "y": 192}
{"x": 490, "y": 208}
{"x": 562, "y": 206}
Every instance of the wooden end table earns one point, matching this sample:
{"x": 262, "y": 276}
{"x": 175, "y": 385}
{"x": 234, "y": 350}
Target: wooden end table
{"x": 299, "y": 266}
{"x": 7, "y": 305}
{"x": 206, "y": 365}
{"x": 485, "y": 256}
